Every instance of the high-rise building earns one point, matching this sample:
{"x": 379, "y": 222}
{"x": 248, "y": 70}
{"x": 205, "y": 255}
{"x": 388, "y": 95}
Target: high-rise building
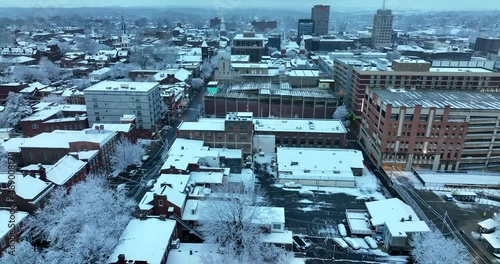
{"x": 320, "y": 14}
{"x": 382, "y": 28}
{"x": 305, "y": 27}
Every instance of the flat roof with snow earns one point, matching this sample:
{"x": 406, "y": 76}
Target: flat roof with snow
{"x": 178, "y": 182}
{"x": 204, "y": 124}
{"x": 120, "y": 87}
{"x": 469, "y": 179}
{"x": 27, "y": 187}
{"x": 389, "y": 210}
{"x": 199, "y": 252}
{"x": 62, "y": 138}
{"x": 493, "y": 239}
{"x": 144, "y": 240}
{"x": 318, "y": 164}
{"x": 298, "y": 125}
{"x": 115, "y": 127}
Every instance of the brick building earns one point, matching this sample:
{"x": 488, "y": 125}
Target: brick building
{"x": 49, "y": 148}
{"x": 31, "y": 192}
{"x": 48, "y": 120}
{"x": 419, "y": 75}
{"x": 6, "y": 232}
{"x": 242, "y": 131}
{"x": 233, "y": 132}
{"x": 437, "y": 130}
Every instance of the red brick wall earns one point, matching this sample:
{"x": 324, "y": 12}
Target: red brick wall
{"x": 29, "y": 131}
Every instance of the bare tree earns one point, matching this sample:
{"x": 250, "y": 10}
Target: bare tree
{"x": 6, "y": 38}
{"x": 78, "y": 227}
{"x": 142, "y": 57}
{"x": 156, "y": 58}
{"x": 206, "y": 70}
{"x": 433, "y": 247}
{"x": 126, "y": 153}
{"x": 51, "y": 70}
{"x": 230, "y": 222}
{"x": 4, "y": 160}
{"x": 16, "y": 109}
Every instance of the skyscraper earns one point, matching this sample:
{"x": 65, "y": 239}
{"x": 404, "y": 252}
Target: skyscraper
{"x": 321, "y": 16}
{"x": 306, "y": 27}
{"x": 382, "y": 28}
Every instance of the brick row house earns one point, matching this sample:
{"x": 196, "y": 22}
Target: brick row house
{"x": 49, "y": 148}
{"x": 62, "y": 117}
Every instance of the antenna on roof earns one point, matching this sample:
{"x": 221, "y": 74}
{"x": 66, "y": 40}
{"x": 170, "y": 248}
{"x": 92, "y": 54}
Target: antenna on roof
{"x": 383, "y": 6}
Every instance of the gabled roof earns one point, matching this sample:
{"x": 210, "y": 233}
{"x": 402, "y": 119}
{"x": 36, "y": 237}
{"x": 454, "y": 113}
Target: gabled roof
{"x": 27, "y": 187}
{"x": 64, "y": 169}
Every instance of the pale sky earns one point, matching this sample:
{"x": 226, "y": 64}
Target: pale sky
{"x": 339, "y": 4}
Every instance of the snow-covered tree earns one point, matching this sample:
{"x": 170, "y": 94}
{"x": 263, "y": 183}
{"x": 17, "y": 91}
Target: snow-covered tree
{"x": 206, "y": 69}
{"x": 6, "y": 38}
{"x": 25, "y": 253}
{"x": 53, "y": 98}
{"x": 156, "y": 58}
{"x": 340, "y": 113}
{"x": 16, "y": 109}
{"x": 29, "y": 74}
{"x": 65, "y": 47}
{"x": 121, "y": 70}
{"x": 78, "y": 227}
{"x": 292, "y": 54}
{"x": 89, "y": 46}
{"x": 197, "y": 83}
{"x": 52, "y": 71}
{"x": 126, "y": 153}
{"x": 229, "y": 222}
{"x": 81, "y": 83}
{"x": 433, "y": 247}
{"x": 4, "y": 160}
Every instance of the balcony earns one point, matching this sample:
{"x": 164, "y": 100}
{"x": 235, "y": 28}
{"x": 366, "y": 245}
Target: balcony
{"x": 479, "y": 136}
{"x": 475, "y": 150}
{"x": 476, "y": 144}
{"x": 481, "y": 128}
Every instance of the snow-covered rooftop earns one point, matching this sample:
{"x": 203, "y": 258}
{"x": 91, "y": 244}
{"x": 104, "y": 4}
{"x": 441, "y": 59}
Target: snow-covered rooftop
{"x": 180, "y": 74}
{"x": 204, "y": 124}
{"x": 493, "y": 239}
{"x": 27, "y": 187}
{"x": 389, "y": 210}
{"x": 14, "y": 144}
{"x": 469, "y": 178}
{"x": 400, "y": 229}
{"x": 206, "y": 177}
{"x": 144, "y": 240}
{"x": 178, "y": 182}
{"x": 120, "y": 87}
{"x": 298, "y": 125}
{"x": 64, "y": 169}
{"x": 115, "y": 127}
{"x": 41, "y": 115}
{"x": 5, "y": 217}
{"x": 199, "y": 252}
{"x": 309, "y": 163}
{"x": 62, "y": 138}
{"x": 175, "y": 197}
{"x": 282, "y": 238}
{"x": 85, "y": 155}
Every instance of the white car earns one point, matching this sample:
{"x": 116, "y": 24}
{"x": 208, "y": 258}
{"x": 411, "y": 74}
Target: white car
{"x": 342, "y": 230}
{"x": 352, "y": 243}
{"x": 371, "y": 242}
{"x": 340, "y": 242}
{"x": 150, "y": 183}
{"x": 133, "y": 172}
{"x": 144, "y": 158}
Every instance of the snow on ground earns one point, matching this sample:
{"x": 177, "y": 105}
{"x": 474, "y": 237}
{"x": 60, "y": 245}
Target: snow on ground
{"x": 328, "y": 231}
{"x": 145, "y": 142}
{"x": 263, "y": 159}
{"x": 469, "y": 205}
{"x": 298, "y": 261}
{"x": 310, "y": 208}
{"x": 488, "y": 202}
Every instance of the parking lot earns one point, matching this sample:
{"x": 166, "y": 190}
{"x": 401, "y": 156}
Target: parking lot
{"x": 313, "y": 215}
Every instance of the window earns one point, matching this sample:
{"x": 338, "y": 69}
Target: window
{"x": 35, "y": 126}
{"x": 160, "y": 202}
{"x": 294, "y": 140}
{"x": 243, "y": 136}
{"x": 230, "y": 136}
{"x": 409, "y": 117}
{"x": 243, "y": 126}
{"x": 311, "y": 141}
{"x": 276, "y": 226}
{"x": 423, "y": 117}
{"x": 394, "y": 117}
{"x": 320, "y": 141}
{"x": 277, "y": 140}
{"x": 328, "y": 141}
{"x": 285, "y": 140}
{"x": 302, "y": 140}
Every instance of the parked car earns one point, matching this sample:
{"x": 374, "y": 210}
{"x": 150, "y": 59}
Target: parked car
{"x": 133, "y": 172}
{"x": 351, "y": 242}
{"x": 371, "y": 242}
{"x": 150, "y": 183}
{"x": 342, "y": 230}
{"x": 145, "y": 158}
{"x": 340, "y": 242}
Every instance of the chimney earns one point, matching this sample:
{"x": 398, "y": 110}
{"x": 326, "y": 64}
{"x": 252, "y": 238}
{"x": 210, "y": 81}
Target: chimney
{"x": 409, "y": 218}
{"x": 190, "y": 251}
{"x": 121, "y": 259}
{"x": 402, "y": 219}
{"x": 101, "y": 127}
{"x": 42, "y": 172}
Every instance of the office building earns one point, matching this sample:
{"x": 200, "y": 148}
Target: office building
{"x": 320, "y": 14}
{"x": 305, "y": 27}
{"x": 250, "y": 44}
{"x": 418, "y": 74}
{"x": 382, "y": 28}
{"x": 109, "y": 101}
{"x": 486, "y": 44}
{"x": 436, "y": 130}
